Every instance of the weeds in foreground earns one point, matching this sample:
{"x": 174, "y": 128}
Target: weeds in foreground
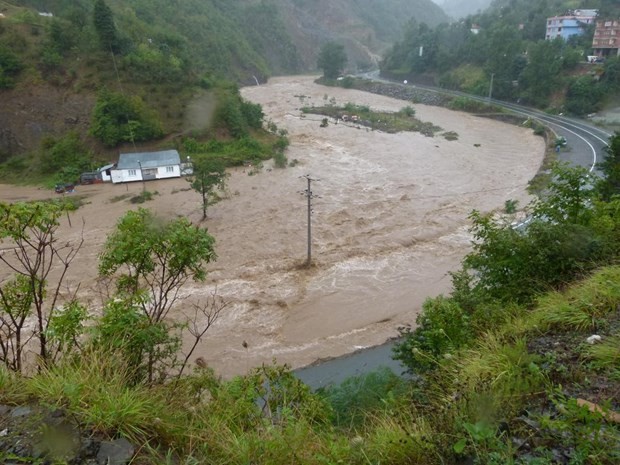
{"x": 97, "y": 390}
{"x": 605, "y": 355}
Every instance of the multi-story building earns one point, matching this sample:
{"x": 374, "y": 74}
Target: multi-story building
{"x": 606, "y": 40}
{"x": 573, "y": 22}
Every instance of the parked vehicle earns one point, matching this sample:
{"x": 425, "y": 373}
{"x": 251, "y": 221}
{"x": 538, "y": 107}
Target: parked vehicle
{"x": 64, "y": 188}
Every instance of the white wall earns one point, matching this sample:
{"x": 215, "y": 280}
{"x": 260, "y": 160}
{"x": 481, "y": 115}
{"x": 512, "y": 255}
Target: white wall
{"x": 119, "y": 176}
{"x": 162, "y": 172}
{"x": 124, "y": 176}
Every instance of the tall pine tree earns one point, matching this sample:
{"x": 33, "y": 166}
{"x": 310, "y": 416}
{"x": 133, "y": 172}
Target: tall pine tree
{"x": 103, "y": 20}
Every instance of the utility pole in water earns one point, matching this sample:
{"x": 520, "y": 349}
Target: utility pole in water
{"x": 309, "y": 195}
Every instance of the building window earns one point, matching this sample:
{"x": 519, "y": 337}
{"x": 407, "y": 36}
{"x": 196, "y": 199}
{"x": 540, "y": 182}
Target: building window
{"x": 132, "y": 172}
{"x": 607, "y": 23}
{"x": 169, "y": 169}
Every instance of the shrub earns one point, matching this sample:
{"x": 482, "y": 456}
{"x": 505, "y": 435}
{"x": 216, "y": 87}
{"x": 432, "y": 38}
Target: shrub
{"x": 407, "y": 111}
{"x": 359, "y": 396}
{"x": 280, "y": 160}
{"x": 66, "y": 156}
{"x": 442, "y": 327}
{"x": 10, "y": 66}
{"x": 142, "y": 197}
{"x": 117, "y": 118}
{"x": 510, "y": 206}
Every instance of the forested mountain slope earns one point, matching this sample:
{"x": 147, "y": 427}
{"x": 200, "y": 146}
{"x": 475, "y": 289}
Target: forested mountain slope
{"x": 56, "y": 54}
{"x": 510, "y": 49}
{"x": 258, "y": 37}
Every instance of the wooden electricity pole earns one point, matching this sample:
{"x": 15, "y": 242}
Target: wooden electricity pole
{"x": 309, "y": 195}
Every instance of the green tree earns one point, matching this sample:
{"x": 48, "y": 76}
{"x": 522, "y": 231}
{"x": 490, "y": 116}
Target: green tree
{"x": 542, "y": 75}
{"x": 62, "y": 36}
{"x": 67, "y": 157}
{"x": 150, "y": 260}
{"x": 611, "y": 74}
{"x": 103, "y": 19}
{"x": 117, "y": 118}
{"x": 209, "y": 173}
{"x": 559, "y": 243}
{"x": 609, "y": 185}
{"x": 583, "y": 96}
{"x": 39, "y": 263}
{"x": 332, "y": 59}
{"x": 10, "y": 66}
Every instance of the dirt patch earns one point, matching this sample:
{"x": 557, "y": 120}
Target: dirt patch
{"x": 28, "y": 115}
{"x": 390, "y": 222}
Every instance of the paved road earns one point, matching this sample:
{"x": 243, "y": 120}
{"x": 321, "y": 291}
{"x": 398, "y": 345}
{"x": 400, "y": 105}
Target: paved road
{"x": 585, "y": 147}
{"x": 586, "y": 142}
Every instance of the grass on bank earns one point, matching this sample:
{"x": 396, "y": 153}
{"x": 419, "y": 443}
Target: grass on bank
{"x": 391, "y": 122}
{"x": 478, "y": 406}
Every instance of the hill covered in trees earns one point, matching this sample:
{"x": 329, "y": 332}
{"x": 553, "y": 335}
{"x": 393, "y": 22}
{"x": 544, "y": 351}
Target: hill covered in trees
{"x": 56, "y": 56}
{"x": 244, "y": 38}
{"x": 510, "y": 48}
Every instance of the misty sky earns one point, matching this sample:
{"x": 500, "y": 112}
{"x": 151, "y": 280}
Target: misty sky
{"x": 459, "y": 8}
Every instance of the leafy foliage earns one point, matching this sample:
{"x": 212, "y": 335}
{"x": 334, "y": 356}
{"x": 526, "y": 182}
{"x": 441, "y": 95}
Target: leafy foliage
{"x": 10, "y": 66}
{"x": 208, "y": 174}
{"x": 332, "y": 60}
{"x": 442, "y": 328}
{"x": 358, "y": 397}
{"x": 235, "y": 114}
{"x": 516, "y": 63}
{"x": 153, "y": 253}
{"x": 609, "y": 185}
{"x": 38, "y": 267}
{"x": 150, "y": 260}
{"x": 103, "y": 20}
{"x": 117, "y": 118}
{"x": 67, "y": 157}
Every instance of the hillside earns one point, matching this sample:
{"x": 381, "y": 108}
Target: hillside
{"x": 52, "y": 66}
{"x": 259, "y": 37}
{"x": 508, "y": 53}
{"x": 460, "y": 8}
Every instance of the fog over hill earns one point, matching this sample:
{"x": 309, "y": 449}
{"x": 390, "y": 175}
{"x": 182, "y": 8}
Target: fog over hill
{"x": 258, "y": 38}
{"x": 460, "y": 8}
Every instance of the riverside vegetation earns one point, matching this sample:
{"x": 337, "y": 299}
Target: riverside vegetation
{"x": 510, "y": 56}
{"x": 132, "y": 87}
{"x": 502, "y": 370}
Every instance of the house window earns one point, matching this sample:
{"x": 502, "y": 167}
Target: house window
{"x": 132, "y": 172}
{"x": 169, "y": 169}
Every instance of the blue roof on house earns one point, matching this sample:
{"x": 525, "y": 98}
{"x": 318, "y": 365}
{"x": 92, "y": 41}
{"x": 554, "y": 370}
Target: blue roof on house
{"x": 128, "y": 161}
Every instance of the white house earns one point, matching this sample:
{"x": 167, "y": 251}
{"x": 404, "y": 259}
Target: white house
{"x": 105, "y": 172}
{"x": 146, "y": 166}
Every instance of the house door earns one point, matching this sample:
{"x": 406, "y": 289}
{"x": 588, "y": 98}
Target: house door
{"x": 149, "y": 173}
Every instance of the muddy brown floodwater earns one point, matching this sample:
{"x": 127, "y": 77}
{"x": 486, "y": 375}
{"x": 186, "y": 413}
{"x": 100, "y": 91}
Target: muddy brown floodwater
{"x": 390, "y": 222}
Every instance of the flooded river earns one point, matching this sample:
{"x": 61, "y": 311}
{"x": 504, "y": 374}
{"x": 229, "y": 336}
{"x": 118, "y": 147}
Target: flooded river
{"x": 390, "y": 222}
